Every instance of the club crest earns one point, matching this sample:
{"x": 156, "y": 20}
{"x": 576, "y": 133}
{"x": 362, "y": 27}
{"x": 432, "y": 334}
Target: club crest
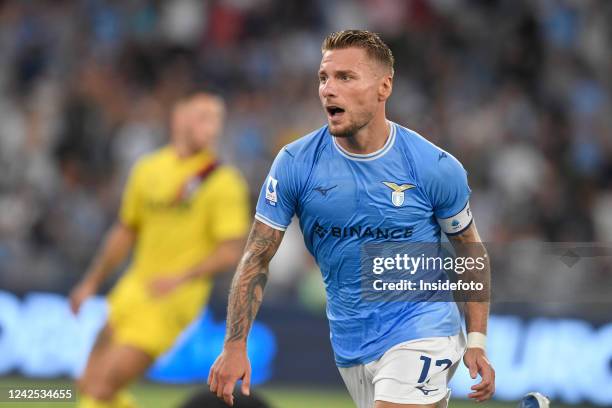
{"x": 397, "y": 196}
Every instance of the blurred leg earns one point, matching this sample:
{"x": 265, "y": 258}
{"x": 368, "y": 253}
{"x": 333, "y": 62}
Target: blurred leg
{"x": 110, "y": 368}
{"x": 96, "y": 357}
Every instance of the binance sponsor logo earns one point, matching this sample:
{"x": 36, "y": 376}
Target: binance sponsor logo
{"x": 360, "y": 231}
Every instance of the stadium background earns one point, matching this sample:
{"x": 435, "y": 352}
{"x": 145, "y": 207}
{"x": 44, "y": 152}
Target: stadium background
{"x": 519, "y": 91}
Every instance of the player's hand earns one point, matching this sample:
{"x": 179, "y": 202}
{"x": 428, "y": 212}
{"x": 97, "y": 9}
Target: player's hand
{"x": 162, "y": 286}
{"x": 80, "y": 294}
{"x": 232, "y": 365}
{"x": 476, "y": 361}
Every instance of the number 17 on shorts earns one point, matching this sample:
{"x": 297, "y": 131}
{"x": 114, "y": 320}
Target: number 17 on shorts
{"x": 413, "y": 372}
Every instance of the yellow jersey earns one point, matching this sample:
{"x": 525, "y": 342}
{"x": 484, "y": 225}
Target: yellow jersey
{"x": 178, "y": 222}
{"x": 180, "y": 209}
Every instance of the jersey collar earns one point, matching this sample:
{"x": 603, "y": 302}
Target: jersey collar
{"x": 369, "y": 156}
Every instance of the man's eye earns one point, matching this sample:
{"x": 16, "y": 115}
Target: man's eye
{"x": 322, "y": 79}
{"x": 345, "y": 77}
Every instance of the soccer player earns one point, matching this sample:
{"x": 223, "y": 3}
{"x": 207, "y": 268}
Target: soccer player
{"x": 363, "y": 179}
{"x": 185, "y": 216}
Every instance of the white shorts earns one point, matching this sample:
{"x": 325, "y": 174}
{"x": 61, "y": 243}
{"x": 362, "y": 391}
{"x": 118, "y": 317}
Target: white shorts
{"x": 413, "y": 372}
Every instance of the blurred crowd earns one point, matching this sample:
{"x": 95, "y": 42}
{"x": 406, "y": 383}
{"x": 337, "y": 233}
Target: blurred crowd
{"x": 517, "y": 90}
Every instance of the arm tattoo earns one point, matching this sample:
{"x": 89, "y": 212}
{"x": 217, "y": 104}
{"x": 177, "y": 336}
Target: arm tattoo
{"x": 476, "y": 306}
{"x": 468, "y": 244}
{"x": 247, "y": 289}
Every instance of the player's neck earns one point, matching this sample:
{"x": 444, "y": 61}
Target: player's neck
{"x": 181, "y": 150}
{"x": 368, "y": 139}
{"x": 184, "y": 151}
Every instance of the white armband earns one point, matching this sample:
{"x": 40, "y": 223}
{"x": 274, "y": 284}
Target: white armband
{"x": 458, "y": 222}
{"x": 477, "y": 340}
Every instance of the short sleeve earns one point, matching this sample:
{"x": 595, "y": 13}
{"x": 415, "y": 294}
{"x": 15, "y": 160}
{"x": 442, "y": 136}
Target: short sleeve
{"x": 230, "y": 206}
{"x": 449, "y": 192}
{"x": 130, "y": 213}
{"x": 278, "y": 196}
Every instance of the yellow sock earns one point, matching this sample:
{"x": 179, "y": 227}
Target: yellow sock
{"x": 85, "y": 401}
{"x": 123, "y": 399}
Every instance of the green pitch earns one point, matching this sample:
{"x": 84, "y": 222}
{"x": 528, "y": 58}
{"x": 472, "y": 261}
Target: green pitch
{"x": 151, "y": 395}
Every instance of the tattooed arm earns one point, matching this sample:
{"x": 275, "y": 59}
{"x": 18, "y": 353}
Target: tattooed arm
{"x": 245, "y": 297}
{"x": 468, "y": 244}
{"x": 249, "y": 282}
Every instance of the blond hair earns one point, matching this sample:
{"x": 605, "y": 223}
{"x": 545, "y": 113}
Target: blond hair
{"x": 366, "y": 40}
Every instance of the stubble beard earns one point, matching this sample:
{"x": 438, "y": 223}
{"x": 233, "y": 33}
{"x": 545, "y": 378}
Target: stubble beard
{"x": 350, "y": 131}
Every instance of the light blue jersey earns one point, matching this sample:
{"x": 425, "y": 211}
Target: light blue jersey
{"x": 346, "y": 200}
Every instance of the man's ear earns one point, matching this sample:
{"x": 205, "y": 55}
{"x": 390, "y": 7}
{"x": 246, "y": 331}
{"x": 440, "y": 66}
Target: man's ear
{"x": 385, "y": 88}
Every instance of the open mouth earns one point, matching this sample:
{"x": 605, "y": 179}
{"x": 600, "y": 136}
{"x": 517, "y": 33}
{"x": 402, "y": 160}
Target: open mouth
{"x": 334, "y": 111}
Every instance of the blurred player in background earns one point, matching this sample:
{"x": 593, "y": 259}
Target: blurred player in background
{"x": 363, "y": 179}
{"x": 185, "y": 216}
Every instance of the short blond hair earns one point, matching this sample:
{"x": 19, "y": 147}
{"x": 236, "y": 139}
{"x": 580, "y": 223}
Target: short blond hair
{"x": 367, "y": 40}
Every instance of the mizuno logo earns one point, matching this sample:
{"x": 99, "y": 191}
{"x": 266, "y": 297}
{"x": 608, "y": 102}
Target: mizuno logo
{"x": 324, "y": 191}
{"x": 424, "y": 390}
{"x": 442, "y": 156}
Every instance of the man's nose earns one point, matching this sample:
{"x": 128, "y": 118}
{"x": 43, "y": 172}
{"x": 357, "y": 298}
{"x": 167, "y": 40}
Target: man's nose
{"x": 328, "y": 88}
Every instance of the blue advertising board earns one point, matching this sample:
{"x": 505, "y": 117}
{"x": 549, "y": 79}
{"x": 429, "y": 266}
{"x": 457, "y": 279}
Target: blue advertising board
{"x": 569, "y": 360}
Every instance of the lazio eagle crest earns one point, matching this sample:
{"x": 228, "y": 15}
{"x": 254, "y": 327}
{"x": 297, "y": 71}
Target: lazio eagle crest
{"x": 397, "y": 196}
